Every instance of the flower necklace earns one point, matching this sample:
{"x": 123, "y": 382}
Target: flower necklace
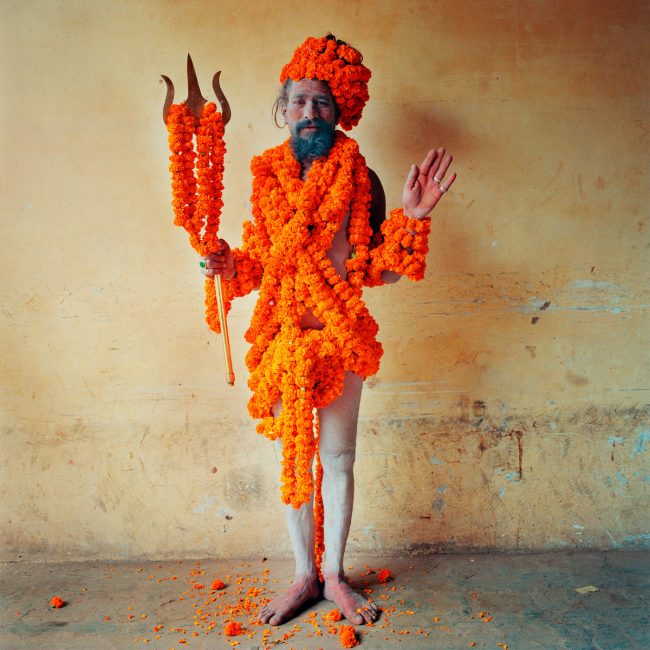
{"x": 284, "y": 255}
{"x": 197, "y": 183}
{"x": 305, "y": 369}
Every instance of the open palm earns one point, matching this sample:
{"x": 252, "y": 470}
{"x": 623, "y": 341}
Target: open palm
{"x": 426, "y": 184}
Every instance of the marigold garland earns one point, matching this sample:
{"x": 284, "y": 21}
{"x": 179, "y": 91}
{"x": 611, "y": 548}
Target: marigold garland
{"x": 340, "y": 66}
{"x": 406, "y": 244}
{"x": 197, "y": 183}
{"x": 284, "y": 254}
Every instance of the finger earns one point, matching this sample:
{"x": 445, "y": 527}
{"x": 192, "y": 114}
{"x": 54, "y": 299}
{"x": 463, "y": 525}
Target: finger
{"x": 436, "y": 163}
{"x": 211, "y": 266}
{"x": 412, "y": 177}
{"x": 215, "y": 260}
{"x": 444, "y": 187}
{"x": 444, "y": 166}
{"x": 428, "y": 161}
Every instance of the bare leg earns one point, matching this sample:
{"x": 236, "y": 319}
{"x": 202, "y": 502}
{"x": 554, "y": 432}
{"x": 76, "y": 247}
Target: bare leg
{"x": 338, "y": 436}
{"x": 306, "y": 586}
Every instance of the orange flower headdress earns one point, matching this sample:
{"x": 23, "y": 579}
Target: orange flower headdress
{"x": 338, "y": 64}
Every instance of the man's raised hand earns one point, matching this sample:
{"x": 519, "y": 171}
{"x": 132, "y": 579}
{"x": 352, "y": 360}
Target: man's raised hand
{"x": 426, "y": 184}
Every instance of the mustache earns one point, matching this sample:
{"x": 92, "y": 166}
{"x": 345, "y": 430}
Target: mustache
{"x": 317, "y": 121}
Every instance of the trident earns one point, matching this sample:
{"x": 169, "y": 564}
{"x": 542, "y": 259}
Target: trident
{"x": 195, "y": 102}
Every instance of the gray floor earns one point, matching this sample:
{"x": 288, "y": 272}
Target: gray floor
{"x": 438, "y": 601}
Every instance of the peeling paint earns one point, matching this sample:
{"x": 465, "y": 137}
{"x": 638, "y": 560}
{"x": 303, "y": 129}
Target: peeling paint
{"x": 205, "y": 504}
{"x": 636, "y": 539}
{"x": 436, "y": 461}
{"x": 583, "y": 285}
{"x": 641, "y": 441}
{"x": 439, "y": 504}
{"x": 622, "y": 479}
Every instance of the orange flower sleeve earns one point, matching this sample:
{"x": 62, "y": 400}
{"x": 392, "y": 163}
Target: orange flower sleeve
{"x": 403, "y": 250}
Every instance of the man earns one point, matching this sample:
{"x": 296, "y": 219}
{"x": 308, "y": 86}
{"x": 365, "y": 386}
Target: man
{"x": 319, "y": 233}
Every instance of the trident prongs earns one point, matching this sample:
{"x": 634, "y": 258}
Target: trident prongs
{"x": 221, "y": 98}
{"x": 169, "y": 98}
{"x": 195, "y": 100}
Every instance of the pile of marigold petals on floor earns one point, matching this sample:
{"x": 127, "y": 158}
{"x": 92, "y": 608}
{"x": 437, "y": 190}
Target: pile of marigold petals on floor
{"x": 228, "y": 607}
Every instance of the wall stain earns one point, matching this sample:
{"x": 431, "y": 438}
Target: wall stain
{"x": 576, "y": 380}
{"x": 520, "y": 451}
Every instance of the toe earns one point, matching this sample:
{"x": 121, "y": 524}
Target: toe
{"x": 367, "y": 615}
{"x": 356, "y": 619}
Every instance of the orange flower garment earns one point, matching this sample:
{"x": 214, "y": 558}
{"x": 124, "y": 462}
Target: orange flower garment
{"x": 284, "y": 253}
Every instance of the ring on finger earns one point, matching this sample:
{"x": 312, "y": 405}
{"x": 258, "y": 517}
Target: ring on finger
{"x": 443, "y": 189}
{"x": 437, "y": 180}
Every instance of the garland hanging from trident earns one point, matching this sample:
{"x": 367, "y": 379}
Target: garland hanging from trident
{"x": 197, "y": 180}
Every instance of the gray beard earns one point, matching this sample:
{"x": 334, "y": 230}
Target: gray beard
{"x": 315, "y": 145}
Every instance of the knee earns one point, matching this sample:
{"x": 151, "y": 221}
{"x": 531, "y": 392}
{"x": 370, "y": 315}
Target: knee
{"x": 337, "y": 461}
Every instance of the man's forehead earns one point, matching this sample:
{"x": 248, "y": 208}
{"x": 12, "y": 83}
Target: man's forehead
{"x": 310, "y": 87}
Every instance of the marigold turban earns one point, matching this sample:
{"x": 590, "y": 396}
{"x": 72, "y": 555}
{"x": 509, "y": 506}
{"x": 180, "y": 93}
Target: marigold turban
{"x": 340, "y": 66}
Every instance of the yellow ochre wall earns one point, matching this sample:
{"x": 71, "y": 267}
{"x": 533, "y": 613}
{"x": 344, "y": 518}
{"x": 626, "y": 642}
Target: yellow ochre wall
{"x": 512, "y": 407}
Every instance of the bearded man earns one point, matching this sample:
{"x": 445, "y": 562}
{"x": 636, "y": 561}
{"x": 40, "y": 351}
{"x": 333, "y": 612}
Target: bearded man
{"x": 318, "y": 234}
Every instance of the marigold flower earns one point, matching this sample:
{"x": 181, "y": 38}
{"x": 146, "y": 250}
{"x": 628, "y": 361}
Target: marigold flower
{"x": 385, "y": 576}
{"x": 347, "y": 636}
{"x": 218, "y": 584}
{"x": 57, "y": 602}
{"x": 334, "y": 615}
{"x": 233, "y": 628}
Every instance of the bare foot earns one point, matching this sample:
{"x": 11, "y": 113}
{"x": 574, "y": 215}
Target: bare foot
{"x": 354, "y": 606}
{"x": 302, "y": 591}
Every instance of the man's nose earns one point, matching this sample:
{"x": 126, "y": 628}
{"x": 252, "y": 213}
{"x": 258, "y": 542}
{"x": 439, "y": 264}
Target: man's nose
{"x": 311, "y": 110}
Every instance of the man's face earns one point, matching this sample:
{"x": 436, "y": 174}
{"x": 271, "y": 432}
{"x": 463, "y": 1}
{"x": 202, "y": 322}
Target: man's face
{"x": 311, "y": 116}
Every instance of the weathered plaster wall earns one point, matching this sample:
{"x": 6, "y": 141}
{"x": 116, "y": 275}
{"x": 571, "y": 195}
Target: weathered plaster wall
{"x": 512, "y": 407}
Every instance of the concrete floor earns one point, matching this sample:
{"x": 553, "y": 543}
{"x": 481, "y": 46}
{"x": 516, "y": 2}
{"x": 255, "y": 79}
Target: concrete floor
{"x": 440, "y": 601}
